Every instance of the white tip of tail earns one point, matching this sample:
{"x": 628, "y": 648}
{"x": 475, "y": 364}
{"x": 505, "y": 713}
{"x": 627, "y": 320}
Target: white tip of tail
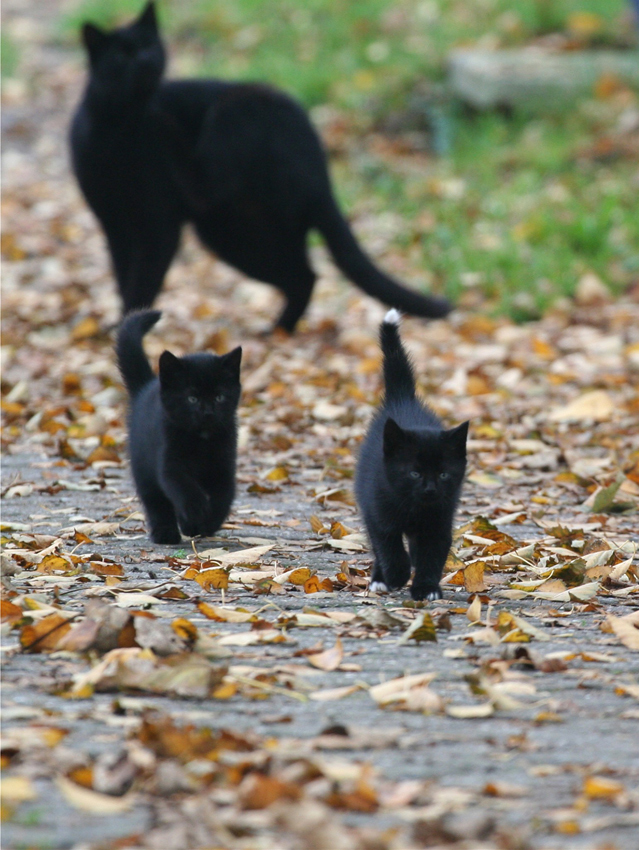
{"x": 393, "y": 317}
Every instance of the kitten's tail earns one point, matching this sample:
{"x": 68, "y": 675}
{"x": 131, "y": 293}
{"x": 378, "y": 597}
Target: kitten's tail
{"x": 352, "y": 260}
{"x": 399, "y": 379}
{"x": 132, "y": 361}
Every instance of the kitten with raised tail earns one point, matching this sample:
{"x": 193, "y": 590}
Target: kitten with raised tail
{"x": 239, "y": 161}
{"x": 182, "y": 433}
{"x": 409, "y": 479}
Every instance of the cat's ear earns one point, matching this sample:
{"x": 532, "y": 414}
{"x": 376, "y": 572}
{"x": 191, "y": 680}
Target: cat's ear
{"x": 232, "y": 361}
{"x": 148, "y": 17}
{"x": 171, "y": 369}
{"x": 457, "y": 438}
{"x": 394, "y": 437}
{"x": 94, "y": 39}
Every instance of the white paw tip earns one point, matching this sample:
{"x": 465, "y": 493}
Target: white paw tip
{"x": 377, "y": 587}
{"x": 393, "y": 317}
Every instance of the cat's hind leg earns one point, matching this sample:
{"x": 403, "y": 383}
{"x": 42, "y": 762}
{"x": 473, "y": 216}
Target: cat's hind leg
{"x": 297, "y": 285}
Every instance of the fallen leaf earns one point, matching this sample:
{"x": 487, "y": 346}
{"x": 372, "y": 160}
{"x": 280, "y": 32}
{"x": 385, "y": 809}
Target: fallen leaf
{"x": 91, "y": 801}
{"x": 328, "y": 660}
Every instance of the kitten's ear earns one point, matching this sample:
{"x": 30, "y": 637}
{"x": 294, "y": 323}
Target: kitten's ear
{"x": 171, "y": 369}
{"x": 232, "y": 361}
{"x": 148, "y": 17}
{"x": 457, "y": 438}
{"x": 394, "y": 437}
{"x": 94, "y": 39}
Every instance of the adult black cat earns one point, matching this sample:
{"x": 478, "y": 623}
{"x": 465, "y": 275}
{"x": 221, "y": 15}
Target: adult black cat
{"x": 408, "y": 480}
{"x": 240, "y": 161}
{"x": 182, "y": 433}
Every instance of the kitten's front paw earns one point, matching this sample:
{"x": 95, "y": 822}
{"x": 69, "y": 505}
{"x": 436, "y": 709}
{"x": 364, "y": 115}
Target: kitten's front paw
{"x": 377, "y": 587}
{"x": 420, "y": 592}
{"x": 166, "y": 536}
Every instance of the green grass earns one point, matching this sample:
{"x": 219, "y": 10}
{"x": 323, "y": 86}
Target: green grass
{"x": 8, "y": 56}
{"x": 513, "y": 208}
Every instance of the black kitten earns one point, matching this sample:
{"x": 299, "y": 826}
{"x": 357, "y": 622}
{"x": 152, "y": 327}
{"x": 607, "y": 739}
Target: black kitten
{"x": 240, "y": 161}
{"x": 182, "y": 433}
{"x": 408, "y": 480}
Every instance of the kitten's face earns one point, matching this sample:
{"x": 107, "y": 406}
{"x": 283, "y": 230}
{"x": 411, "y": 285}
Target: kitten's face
{"x": 200, "y": 392}
{"x": 126, "y": 64}
{"x": 425, "y": 467}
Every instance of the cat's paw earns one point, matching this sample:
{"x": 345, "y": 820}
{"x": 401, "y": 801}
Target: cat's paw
{"x": 429, "y": 593}
{"x": 166, "y": 536}
{"x": 377, "y": 587}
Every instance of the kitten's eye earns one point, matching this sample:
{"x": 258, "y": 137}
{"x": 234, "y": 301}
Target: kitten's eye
{"x": 192, "y": 399}
{"x": 220, "y": 397}
{"x": 415, "y": 474}
{"x": 444, "y": 475}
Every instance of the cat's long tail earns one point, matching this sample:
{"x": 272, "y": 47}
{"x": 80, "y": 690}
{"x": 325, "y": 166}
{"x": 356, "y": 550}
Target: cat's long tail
{"x": 352, "y": 260}
{"x": 134, "y": 366}
{"x": 399, "y": 379}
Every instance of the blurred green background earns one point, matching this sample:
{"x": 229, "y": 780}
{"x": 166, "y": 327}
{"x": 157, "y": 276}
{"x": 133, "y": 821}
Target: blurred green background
{"x": 507, "y": 210}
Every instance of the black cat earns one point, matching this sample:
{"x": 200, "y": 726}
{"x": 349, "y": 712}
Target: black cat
{"x": 182, "y": 433}
{"x": 408, "y": 480}
{"x": 240, "y": 161}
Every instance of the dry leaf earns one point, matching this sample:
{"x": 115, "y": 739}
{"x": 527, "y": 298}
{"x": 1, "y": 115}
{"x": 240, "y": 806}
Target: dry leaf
{"x": 328, "y": 660}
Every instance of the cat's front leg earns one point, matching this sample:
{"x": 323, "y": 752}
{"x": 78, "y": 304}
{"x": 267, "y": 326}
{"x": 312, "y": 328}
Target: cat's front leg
{"x": 190, "y": 500}
{"x": 428, "y": 555}
{"x": 392, "y": 565}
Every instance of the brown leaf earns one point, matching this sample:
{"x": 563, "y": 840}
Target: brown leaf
{"x": 9, "y": 612}
{"x": 474, "y": 577}
{"x": 44, "y": 635}
{"x": 259, "y": 791}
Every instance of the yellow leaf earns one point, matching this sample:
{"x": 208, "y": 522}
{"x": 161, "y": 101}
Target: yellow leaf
{"x": 601, "y": 787}
{"x": 213, "y": 579}
{"x": 280, "y": 473}
{"x": 299, "y": 576}
{"x": 185, "y": 629}
{"x": 312, "y": 585}
{"x": 225, "y": 691}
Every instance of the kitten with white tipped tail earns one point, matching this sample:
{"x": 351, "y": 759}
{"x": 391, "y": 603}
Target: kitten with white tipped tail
{"x": 409, "y": 479}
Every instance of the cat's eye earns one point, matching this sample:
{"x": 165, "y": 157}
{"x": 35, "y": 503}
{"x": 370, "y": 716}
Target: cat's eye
{"x": 415, "y": 474}
{"x": 220, "y": 397}
{"x": 192, "y": 399}
{"x": 443, "y": 475}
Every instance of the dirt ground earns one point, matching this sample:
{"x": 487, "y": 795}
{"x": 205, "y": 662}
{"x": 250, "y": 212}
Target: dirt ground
{"x": 519, "y": 726}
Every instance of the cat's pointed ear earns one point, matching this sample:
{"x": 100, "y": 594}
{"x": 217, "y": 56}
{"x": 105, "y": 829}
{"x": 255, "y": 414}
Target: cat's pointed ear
{"x": 148, "y": 17}
{"x": 94, "y": 39}
{"x": 171, "y": 369}
{"x": 457, "y": 438}
{"x": 232, "y": 361}
{"x": 394, "y": 437}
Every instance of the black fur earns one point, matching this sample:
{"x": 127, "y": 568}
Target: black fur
{"x": 182, "y": 433}
{"x": 240, "y": 161}
{"x": 408, "y": 480}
